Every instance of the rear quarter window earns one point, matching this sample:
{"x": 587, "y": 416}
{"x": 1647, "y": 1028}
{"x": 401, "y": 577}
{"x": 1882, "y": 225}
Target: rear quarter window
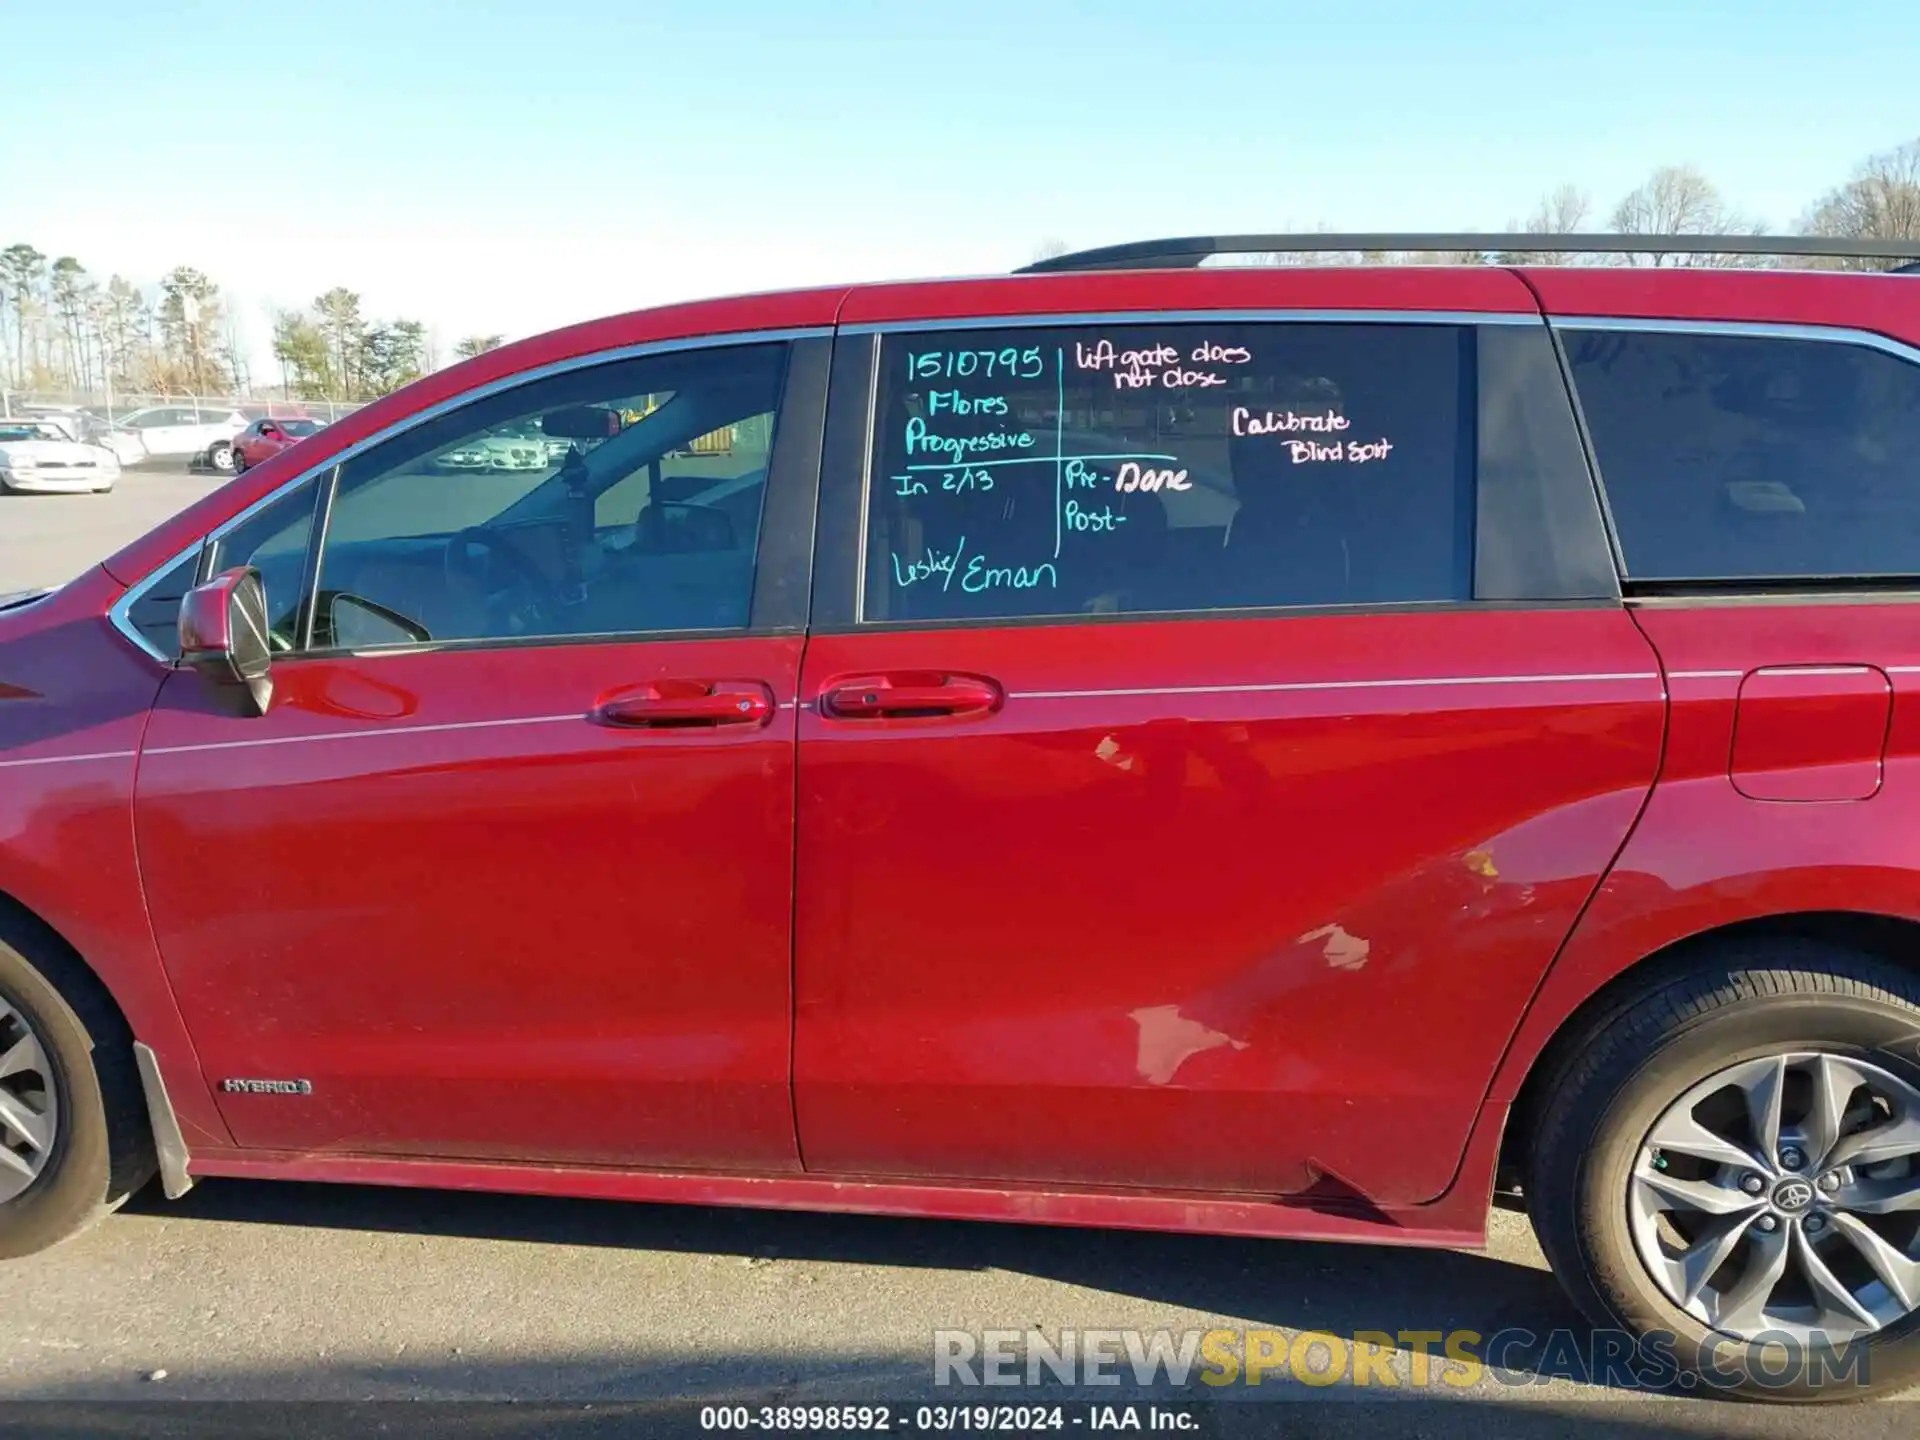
{"x": 1744, "y": 457}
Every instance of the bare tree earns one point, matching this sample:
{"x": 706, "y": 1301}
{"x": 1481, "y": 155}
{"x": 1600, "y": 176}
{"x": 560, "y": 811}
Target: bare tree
{"x": 1563, "y": 212}
{"x": 1880, "y": 202}
{"x": 1679, "y": 200}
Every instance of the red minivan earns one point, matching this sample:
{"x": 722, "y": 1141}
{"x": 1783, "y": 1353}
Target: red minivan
{"x": 1274, "y": 751}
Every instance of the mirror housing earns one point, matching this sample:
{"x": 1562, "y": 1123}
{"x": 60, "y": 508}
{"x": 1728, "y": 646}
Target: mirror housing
{"x": 223, "y": 635}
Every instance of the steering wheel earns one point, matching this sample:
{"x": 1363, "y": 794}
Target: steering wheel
{"x": 516, "y": 591}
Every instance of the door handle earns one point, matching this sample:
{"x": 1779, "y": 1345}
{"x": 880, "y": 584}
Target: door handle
{"x": 910, "y": 695}
{"x": 688, "y": 704}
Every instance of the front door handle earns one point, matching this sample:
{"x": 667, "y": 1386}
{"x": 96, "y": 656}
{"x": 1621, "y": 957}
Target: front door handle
{"x": 687, "y": 704}
{"x": 910, "y": 695}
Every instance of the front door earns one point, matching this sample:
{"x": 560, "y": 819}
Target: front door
{"x": 1227, "y": 724}
{"x": 505, "y": 869}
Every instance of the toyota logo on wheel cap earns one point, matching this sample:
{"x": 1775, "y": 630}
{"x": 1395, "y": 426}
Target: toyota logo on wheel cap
{"x": 1791, "y": 1195}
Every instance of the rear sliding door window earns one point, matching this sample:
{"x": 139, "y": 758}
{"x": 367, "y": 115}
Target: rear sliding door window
{"x": 1119, "y": 469}
{"x": 1731, "y": 457}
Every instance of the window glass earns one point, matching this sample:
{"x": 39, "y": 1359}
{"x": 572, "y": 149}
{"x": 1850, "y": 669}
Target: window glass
{"x": 621, "y": 498}
{"x": 1170, "y": 467}
{"x": 274, "y": 541}
{"x": 156, "y": 611}
{"x": 1730, "y": 457}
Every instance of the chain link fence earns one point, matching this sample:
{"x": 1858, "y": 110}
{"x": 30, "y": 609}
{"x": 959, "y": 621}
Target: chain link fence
{"x": 116, "y": 405}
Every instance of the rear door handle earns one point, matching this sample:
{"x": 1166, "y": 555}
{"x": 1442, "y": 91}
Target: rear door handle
{"x": 687, "y": 704}
{"x": 910, "y": 695}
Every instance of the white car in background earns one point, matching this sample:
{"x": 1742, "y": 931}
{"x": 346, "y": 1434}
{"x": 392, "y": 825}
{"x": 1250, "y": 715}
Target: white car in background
{"x": 183, "y": 431}
{"x": 38, "y": 456}
{"x": 509, "y": 448}
{"x": 517, "y": 447}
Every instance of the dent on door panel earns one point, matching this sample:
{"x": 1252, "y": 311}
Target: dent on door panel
{"x": 1237, "y": 905}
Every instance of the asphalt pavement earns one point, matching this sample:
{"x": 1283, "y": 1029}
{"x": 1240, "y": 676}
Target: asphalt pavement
{"x": 252, "y": 1291}
{"x": 48, "y": 539}
{"x": 589, "y": 1315}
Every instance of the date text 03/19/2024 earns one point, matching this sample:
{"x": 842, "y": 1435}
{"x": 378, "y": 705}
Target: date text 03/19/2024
{"x": 951, "y": 1419}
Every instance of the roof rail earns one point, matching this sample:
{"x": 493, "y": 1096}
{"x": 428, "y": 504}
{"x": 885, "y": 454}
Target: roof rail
{"x": 1188, "y": 251}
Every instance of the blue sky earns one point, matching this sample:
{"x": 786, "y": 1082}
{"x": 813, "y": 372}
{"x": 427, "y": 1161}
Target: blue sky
{"x": 516, "y": 164}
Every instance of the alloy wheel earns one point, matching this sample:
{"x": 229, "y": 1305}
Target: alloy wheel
{"x": 1783, "y": 1195}
{"x": 29, "y": 1109}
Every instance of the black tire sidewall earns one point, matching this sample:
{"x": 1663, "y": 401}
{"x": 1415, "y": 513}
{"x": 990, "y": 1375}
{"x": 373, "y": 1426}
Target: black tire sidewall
{"x": 1855, "y": 1026}
{"x": 73, "y": 1186}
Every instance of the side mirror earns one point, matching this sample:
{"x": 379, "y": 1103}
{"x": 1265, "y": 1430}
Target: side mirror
{"x": 223, "y": 635}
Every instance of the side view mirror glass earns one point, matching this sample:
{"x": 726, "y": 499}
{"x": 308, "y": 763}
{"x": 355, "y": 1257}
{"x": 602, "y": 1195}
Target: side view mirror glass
{"x": 223, "y": 635}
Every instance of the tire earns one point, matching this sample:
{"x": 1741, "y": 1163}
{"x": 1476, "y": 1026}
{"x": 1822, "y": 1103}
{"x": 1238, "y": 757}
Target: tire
{"x": 101, "y": 1150}
{"x": 238, "y": 461}
{"x": 1740, "y": 1009}
{"x": 220, "y": 455}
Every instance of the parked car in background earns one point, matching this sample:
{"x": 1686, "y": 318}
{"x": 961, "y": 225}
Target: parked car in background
{"x": 41, "y": 456}
{"x": 70, "y": 424}
{"x": 268, "y": 437}
{"x": 1263, "y": 750}
{"x": 70, "y": 418}
{"x": 189, "y": 432}
{"x": 513, "y": 447}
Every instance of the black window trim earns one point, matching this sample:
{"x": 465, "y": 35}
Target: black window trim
{"x": 117, "y": 615}
{"x": 846, "y": 475}
{"x": 1742, "y": 587}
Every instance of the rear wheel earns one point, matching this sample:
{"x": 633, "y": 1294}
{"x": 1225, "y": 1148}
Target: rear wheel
{"x": 1729, "y": 1166}
{"x": 220, "y": 455}
{"x": 73, "y": 1144}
